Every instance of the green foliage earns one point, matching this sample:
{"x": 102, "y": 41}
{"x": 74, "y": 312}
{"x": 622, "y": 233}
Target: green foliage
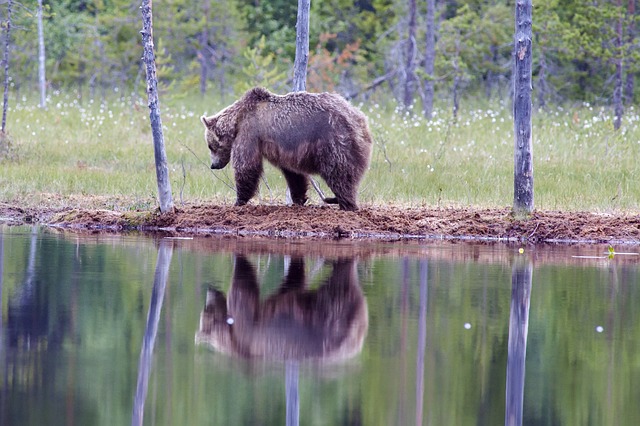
{"x": 262, "y": 68}
{"x": 97, "y": 44}
{"x": 364, "y": 22}
{"x": 165, "y": 71}
{"x": 457, "y": 55}
{"x": 274, "y": 20}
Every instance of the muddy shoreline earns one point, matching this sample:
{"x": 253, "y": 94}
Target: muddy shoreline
{"x": 327, "y": 222}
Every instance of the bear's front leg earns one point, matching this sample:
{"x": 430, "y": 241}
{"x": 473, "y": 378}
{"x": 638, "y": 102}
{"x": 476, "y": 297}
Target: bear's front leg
{"x": 247, "y": 180}
{"x": 244, "y": 294}
{"x": 298, "y": 185}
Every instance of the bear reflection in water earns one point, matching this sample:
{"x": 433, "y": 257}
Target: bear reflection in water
{"x": 328, "y": 323}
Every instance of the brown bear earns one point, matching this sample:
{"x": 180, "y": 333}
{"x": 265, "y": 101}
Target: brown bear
{"x": 328, "y": 323}
{"x": 301, "y": 133}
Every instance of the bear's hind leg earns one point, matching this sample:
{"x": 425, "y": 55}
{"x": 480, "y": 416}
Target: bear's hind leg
{"x": 344, "y": 191}
{"x": 298, "y": 185}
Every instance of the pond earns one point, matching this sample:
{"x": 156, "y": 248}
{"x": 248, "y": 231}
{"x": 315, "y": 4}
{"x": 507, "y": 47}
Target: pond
{"x": 131, "y": 329}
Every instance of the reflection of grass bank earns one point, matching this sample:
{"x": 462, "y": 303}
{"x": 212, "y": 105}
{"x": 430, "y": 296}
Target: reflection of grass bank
{"x": 104, "y": 152}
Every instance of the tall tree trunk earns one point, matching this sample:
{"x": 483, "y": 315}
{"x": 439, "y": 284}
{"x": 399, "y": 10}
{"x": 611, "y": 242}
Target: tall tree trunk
{"x": 456, "y": 79}
{"x": 523, "y": 152}
{"x": 302, "y": 47}
{"x": 41, "y": 59}
{"x": 7, "y": 39}
{"x": 302, "y": 58}
{"x": 618, "y": 107}
{"x": 454, "y": 93}
{"x": 204, "y": 50}
{"x": 629, "y": 82}
{"x": 162, "y": 171}
{"x": 410, "y": 66}
{"x": 429, "y": 60}
{"x": 491, "y": 77}
{"x": 542, "y": 80}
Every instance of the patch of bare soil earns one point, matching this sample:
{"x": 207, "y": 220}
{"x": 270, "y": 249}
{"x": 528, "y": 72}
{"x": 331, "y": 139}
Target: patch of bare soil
{"x": 387, "y": 223}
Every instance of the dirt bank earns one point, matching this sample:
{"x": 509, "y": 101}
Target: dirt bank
{"x": 328, "y": 222}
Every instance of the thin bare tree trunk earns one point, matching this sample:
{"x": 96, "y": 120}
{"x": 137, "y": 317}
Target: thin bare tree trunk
{"x": 523, "y": 151}
{"x": 7, "y": 39}
{"x": 630, "y": 79}
{"x": 456, "y": 78}
{"x": 41, "y": 59}
{"x": 542, "y": 80}
{"x": 429, "y": 60}
{"x": 302, "y": 47}
{"x": 618, "y": 107}
{"x": 410, "y": 66}
{"x": 204, "y": 51}
{"x": 162, "y": 171}
{"x": 301, "y": 60}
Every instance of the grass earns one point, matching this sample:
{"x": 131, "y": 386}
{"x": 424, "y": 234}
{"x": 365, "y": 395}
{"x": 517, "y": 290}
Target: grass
{"x": 101, "y": 154}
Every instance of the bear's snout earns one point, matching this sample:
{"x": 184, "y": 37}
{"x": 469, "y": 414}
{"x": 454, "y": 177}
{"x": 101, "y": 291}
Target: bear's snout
{"x": 219, "y": 161}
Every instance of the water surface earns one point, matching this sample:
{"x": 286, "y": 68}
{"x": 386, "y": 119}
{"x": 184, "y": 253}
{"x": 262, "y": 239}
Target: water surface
{"x": 115, "y": 330}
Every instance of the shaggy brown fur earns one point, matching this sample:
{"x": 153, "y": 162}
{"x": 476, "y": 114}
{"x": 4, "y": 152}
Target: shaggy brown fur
{"x": 301, "y": 133}
{"x": 328, "y": 323}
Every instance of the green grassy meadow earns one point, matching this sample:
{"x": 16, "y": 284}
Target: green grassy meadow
{"x": 99, "y": 155}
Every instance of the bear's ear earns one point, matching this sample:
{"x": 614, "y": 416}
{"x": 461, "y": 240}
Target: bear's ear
{"x": 208, "y": 122}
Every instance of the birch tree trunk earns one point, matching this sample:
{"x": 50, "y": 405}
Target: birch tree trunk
{"x": 162, "y": 171}
{"x": 301, "y": 60}
{"x": 630, "y": 79}
{"x": 204, "y": 51}
{"x": 410, "y": 66}
{"x": 429, "y": 60}
{"x": 5, "y": 102}
{"x": 523, "y": 155}
{"x": 41, "y": 59}
{"x": 302, "y": 47}
{"x": 618, "y": 108}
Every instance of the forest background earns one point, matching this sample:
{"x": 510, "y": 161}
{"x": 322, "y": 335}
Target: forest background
{"x": 89, "y": 145}
{"x": 583, "y": 51}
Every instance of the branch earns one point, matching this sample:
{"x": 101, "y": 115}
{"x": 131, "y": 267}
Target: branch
{"x": 375, "y": 83}
{"x": 207, "y": 166}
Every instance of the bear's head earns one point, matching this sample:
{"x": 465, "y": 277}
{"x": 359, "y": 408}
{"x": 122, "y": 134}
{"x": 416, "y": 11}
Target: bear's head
{"x": 219, "y": 133}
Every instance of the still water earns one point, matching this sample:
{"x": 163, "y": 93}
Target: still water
{"x": 118, "y": 330}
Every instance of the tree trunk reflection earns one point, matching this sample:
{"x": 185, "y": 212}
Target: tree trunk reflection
{"x": 422, "y": 341}
{"x": 518, "y": 327}
{"x": 165, "y": 251}
{"x": 293, "y": 397}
